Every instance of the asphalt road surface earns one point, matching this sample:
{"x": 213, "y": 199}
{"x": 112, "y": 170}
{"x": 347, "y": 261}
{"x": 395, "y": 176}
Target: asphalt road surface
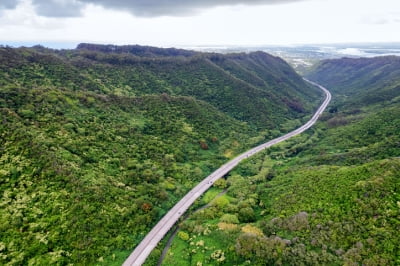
{"x": 142, "y": 251}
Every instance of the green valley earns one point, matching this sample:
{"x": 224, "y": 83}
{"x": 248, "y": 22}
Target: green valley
{"x": 327, "y": 197}
{"x": 199, "y": 132}
{"x": 98, "y": 142}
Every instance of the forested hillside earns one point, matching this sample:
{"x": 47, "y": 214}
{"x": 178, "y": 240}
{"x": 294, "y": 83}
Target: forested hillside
{"x": 257, "y": 88}
{"x": 371, "y": 80}
{"x": 97, "y": 143}
{"x": 327, "y": 197}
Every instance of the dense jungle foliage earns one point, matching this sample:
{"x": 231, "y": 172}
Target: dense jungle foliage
{"x": 97, "y": 143}
{"x": 330, "y": 196}
{"x": 367, "y": 80}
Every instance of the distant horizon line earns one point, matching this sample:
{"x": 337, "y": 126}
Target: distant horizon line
{"x": 73, "y": 45}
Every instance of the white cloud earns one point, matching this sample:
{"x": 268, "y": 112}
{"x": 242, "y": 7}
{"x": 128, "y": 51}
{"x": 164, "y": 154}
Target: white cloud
{"x": 24, "y": 16}
{"x": 381, "y": 18}
{"x": 312, "y": 21}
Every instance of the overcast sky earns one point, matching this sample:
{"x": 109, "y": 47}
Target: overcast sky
{"x": 198, "y": 22}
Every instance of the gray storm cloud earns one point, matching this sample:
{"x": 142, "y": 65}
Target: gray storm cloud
{"x": 143, "y": 8}
{"x": 58, "y": 8}
{"x": 175, "y": 7}
{"x": 8, "y": 4}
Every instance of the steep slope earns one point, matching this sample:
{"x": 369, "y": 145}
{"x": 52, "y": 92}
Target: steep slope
{"x": 133, "y": 70}
{"x": 96, "y": 146}
{"x": 371, "y": 80}
{"x": 209, "y": 77}
{"x": 328, "y": 197}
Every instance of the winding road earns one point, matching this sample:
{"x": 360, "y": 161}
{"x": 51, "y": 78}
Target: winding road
{"x": 141, "y": 252}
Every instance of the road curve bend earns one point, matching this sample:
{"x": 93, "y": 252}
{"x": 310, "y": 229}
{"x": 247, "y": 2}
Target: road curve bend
{"x": 142, "y": 251}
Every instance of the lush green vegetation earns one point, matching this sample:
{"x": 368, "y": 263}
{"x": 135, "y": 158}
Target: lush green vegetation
{"x": 327, "y": 197}
{"x": 96, "y": 145}
{"x": 257, "y": 88}
{"x": 371, "y": 80}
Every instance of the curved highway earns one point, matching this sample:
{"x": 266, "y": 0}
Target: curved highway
{"x": 139, "y": 255}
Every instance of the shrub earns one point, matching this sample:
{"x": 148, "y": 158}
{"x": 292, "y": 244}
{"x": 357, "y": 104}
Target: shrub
{"x": 229, "y": 218}
{"x": 246, "y": 215}
{"x": 183, "y": 235}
